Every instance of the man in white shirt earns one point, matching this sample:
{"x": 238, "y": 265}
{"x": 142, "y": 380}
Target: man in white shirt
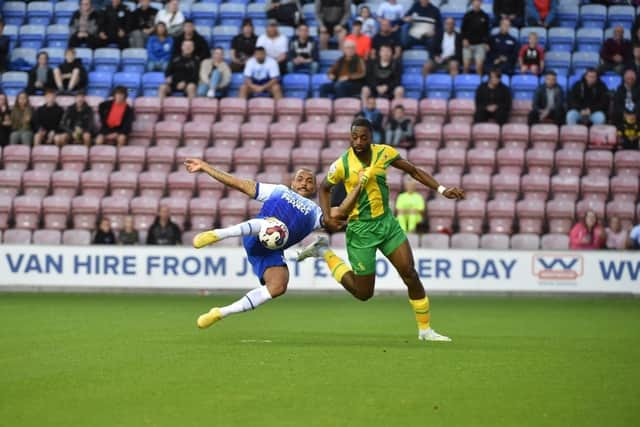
{"x": 261, "y": 75}
{"x": 276, "y": 45}
{"x": 447, "y": 52}
{"x": 392, "y": 12}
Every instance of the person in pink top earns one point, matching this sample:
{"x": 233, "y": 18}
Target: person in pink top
{"x": 588, "y": 233}
{"x": 616, "y": 235}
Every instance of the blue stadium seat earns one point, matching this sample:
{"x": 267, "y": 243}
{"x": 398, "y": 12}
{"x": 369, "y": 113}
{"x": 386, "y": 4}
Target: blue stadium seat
{"x": 22, "y": 58}
{"x": 465, "y": 85}
{"x": 620, "y": 15}
{"x": 106, "y": 59}
{"x": 86, "y": 56}
{"x": 32, "y": 36}
{"x": 611, "y": 80}
{"x": 232, "y": 13}
{"x": 327, "y": 58}
{"x": 455, "y": 11}
{"x": 206, "y": 33}
{"x": 318, "y": 80}
{"x": 289, "y": 32}
{"x": 134, "y": 60}
{"x": 13, "y": 82}
{"x": 56, "y": 55}
{"x": 309, "y": 13}
{"x": 580, "y": 61}
{"x": 541, "y": 31}
{"x": 64, "y": 10}
{"x": 204, "y": 14}
{"x": 608, "y": 33}
{"x": 256, "y": 12}
{"x": 573, "y": 79}
{"x": 151, "y": 82}
{"x": 413, "y": 85}
{"x": 296, "y": 85}
{"x": 593, "y": 15}
{"x": 130, "y": 80}
{"x": 438, "y": 86}
{"x": 40, "y": 12}
{"x": 589, "y": 39}
{"x": 567, "y": 15}
{"x": 12, "y": 32}
{"x": 413, "y": 60}
{"x": 523, "y": 86}
{"x": 562, "y": 39}
{"x": 100, "y": 83}
{"x": 14, "y": 12}
{"x": 57, "y": 35}
{"x": 558, "y": 61}
{"x": 222, "y": 35}
{"x": 236, "y": 81}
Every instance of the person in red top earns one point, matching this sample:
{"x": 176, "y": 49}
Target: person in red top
{"x": 541, "y": 13}
{"x": 616, "y": 52}
{"x": 587, "y": 234}
{"x": 531, "y": 56}
{"x": 362, "y": 41}
{"x": 116, "y": 118}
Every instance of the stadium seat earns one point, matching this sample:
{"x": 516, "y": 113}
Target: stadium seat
{"x": 423, "y": 157}
{"x": 182, "y": 184}
{"x": 22, "y": 58}
{"x": 130, "y": 80}
{"x": 100, "y": 82}
{"x": 515, "y": 135}
{"x": 39, "y": 12}
{"x": 74, "y": 157}
{"x": 144, "y": 210}
{"x": 178, "y": 209}
{"x": 160, "y": 159}
{"x": 544, "y": 136}
{"x": 344, "y": 109}
{"x": 56, "y": 211}
{"x": 296, "y": 85}
{"x": 565, "y": 187}
{"x": 535, "y": 186}
{"x": 413, "y": 85}
{"x": 262, "y": 110}
{"x": 85, "y": 55}
{"x": 16, "y": 157}
{"x": 64, "y": 10}
{"x": 598, "y": 162}
{"x": 456, "y": 135}
{"x": 6, "y": 207}
{"x": 305, "y": 157}
{"x": 254, "y": 134}
{"x": 560, "y": 215}
{"x": 595, "y": 205}
{"x": 477, "y": 185}
{"x": 56, "y": 57}
{"x": 232, "y": 14}
{"x": 589, "y": 40}
{"x": 520, "y": 109}
{"x": 413, "y": 60}
{"x": 232, "y": 110}
{"x": 203, "y": 213}
{"x": 209, "y": 188}
{"x": 574, "y": 136}
{"x": 76, "y": 237}
{"x": 168, "y": 133}
{"x": 539, "y": 161}
{"x": 410, "y": 107}
{"x": 17, "y": 237}
{"x": 26, "y": 211}
{"x": 14, "y": 82}
{"x": 94, "y": 183}
{"x": 428, "y": 135}
{"x": 626, "y": 162}
{"x": 465, "y": 241}
{"x": 10, "y": 182}
{"x": 593, "y": 15}
{"x": 494, "y": 241}
{"x": 318, "y": 110}
{"x": 465, "y": 85}
{"x": 485, "y": 135}
{"x": 505, "y": 186}
{"x": 530, "y": 215}
{"x": 594, "y": 187}
{"x": 434, "y": 241}
{"x": 338, "y": 135}
{"x": 451, "y": 160}
{"x": 45, "y": 157}
{"x": 625, "y": 210}
{"x": 152, "y": 184}
{"x": 471, "y": 214}
{"x": 175, "y": 109}
{"x": 625, "y": 188}
{"x": 561, "y": 40}
{"x": 510, "y": 161}
{"x": 501, "y": 214}
{"x": 438, "y": 86}
{"x": 106, "y": 59}
{"x": 569, "y": 161}
{"x": 524, "y": 86}
{"x": 232, "y": 210}
{"x": 196, "y": 136}
{"x": 151, "y": 82}
{"x": 567, "y": 15}
{"x": 47, "y": 237}
{"x": 131, "y": 159}
{"x": 433, "y": 110}
{"x": 283, "y": 134}
{"x": 524, "y": 241}
{"x": 84, "y": 211}
{"x": 204, "y": 14}
{"x": 115, "y": 209}
{"x": 57, "y": 35}
{"x": 204, "y": 110}
{"x": 312, "y": 134}
{"x": 290, "y": 110}
{"x": 554, "y": 242}
{"x": 65, "y": 183}
{"x": 441, "y": 214}
{"x": 14, "y": 12}
{"x": 602, "y": 137}
{"x": 620, "y": 15}
{"x": 102, "y": 158}
{"x": 123, "y": 183}
{"x": 36, "y": 182}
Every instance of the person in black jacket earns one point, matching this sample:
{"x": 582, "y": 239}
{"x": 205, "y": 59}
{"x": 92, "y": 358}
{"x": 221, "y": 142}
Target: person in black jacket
{"x": 78, "y": 122}
{"x": 303, "y": 52}
{"x": 70, "y": 75}
{"x": 588, "y": 100}
{"x": 40, "y": 76}
{"x": 104, "y": 234}
{"x": 182, "y": 73}
{"x": 399, "y": 129}
{"x": 627, "y": 97}
{"x": 446, "y": 52}
{"x": 114, "y": 28}
{"x": 503, "y": 49}
{"x": 47, "y": 121}
{"x": 475, "y": 37}
{"x": 84, "y": 26}
{"x": 4, "y": 48}
{"x": 163, "y": 231}
{"x": 116, "y": 118}
{"x": 548, "y": 102}
{"x": 243, "y": 46}
{"x": 493, "y": 100}
{"x": 200, "y": 46}
{"x": 383, "y": 76}
{"x": 513, "y": 10}
{"x": 142, "y": 24}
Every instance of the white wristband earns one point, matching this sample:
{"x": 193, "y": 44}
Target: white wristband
{"x": 441, "y": 189}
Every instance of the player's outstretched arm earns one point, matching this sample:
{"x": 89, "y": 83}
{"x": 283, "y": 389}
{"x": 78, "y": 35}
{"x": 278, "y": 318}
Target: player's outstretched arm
{"x": 330, "y": 223}
{"x": 342, "y": 212}
{"x": 247, "y": 186}
{"x": 424, "y": 178}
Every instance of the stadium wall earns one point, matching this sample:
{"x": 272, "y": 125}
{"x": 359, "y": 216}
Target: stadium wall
{"x": 227, "y": 269}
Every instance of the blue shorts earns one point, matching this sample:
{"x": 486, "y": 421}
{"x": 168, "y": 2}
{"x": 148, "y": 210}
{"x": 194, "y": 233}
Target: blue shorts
{"x": 260, "y": 257}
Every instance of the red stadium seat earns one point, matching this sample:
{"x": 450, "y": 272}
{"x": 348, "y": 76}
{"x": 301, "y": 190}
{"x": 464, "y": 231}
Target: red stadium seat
{"x": 197, "y": 134}
{"x": 428, "y": 135}
{"x": 590, "y": 205}
{"x": 441, "y": 214}
{"x": 47, "y": 237}
{"x": 283, "y": 135}
{"x": 142, "y": 134}
{"x": 147, "y": 106}
{"x": 505, "y": 186}
{"x": 535, "y": 187}
{"x": 160, "y": 159}
{"x": 182, "y": 184}
{"x": 247, "y": 159}
{"x": 383, "y": 105}
{"x": 253, "y": 208}
{"x": 274, "y": 177}
{"x": 625, "y": 187}
{"x": 510, "y": 161}
{"x": 221, "y": 156}
{"x": 494, "y": 241}
{"x": 598, "y": 162}
{"x": 203, "y": 213}
{"x": 178, "y": 209}
{"x": 595, "y": 187}
{"x": 544, "y": 135}
{"x": 152, "y": 184}
{"x": 276, "y": 159}
{"x": 85, "y": 210}
{"x": 530, "y": 215}
{"x": 560, "y": 215}
{"x": 465, "y": 241}
{"x": 144, "y": 210}
{"x": 565, "y": 187}
{"x": 45, "y": 157}
{"x": 204, "y": 110}
{"x": 501, "y": 214}
{"x": 116, "y": 209}
{"x": 525, "y": 241}
{"x": 76, "y": 237}
{"x": 209, "y": 188}
{"x": 574, "y": 136}
{"x": 433, "y": 111}
{"x": 305, "y": 157}
{"x": 461, "y": 110}
{"x": 261, "y": 110}
{"x": 338, "y": 134}
{"x": 603, "y": 137}
{"x": 519, "y": 111}
{"x": 16, "y": 157}
{"x": 65, "y": 183}
{"x": 312, "y": 134}
{"x": 410, "y": 107}
{"x": 625, "y": 210}
{"x": 448, "y": 179}
{"x": 477, "y": 185}
{"x": 456, "y": 135}
{"x": 10, "y": 182}
{"x": 451, "y": 160}
{"x": 56, "y": 211}
{"x": 184, "y": 153}
{"x": 344, "y": 109}
{"x": 569, "y": 161}
{"x": 627, "y": 162}
{"x": 539, "y": 161}
{"x": 74, "y": 157}
{"x": 289, "y": 110}
{"x": 17, "y": 237}
{"x": 132, "y": 159}
{"x": 225, "y": 133}
{"x": 515, "y": 135}
{"x": 434, "y": 241}
{"x": 318, "y": 110}
{"x": 123, "y": 184}
{"x": 175, "y": 109}
{"x": 232, "y": 209}
{"x": 103, "y": 158}
{"x": 424, "y": 158}
{"x": 168, "y": 133}
{"x": 6, "y": 206}
{"x": 471, "y": 214}
{"x": 254, "y": 134}
{"x": 36, "y": 182}
{"x": 554, "y": 242}
{"x": 233, "y": 109}
{"x": 481, "y": 160}
{"x": 486, "y": 135}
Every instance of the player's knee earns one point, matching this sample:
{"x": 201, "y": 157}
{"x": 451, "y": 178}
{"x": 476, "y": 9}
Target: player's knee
{"x": 277, "y": 289}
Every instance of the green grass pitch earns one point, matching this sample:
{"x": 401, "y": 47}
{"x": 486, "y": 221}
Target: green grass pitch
{"x": 139, "y": 360}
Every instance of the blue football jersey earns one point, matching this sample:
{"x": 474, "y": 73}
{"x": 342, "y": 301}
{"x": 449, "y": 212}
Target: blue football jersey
{"x": 300, "y": 214}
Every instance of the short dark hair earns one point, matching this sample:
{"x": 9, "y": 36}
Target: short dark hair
{"x": 356, "y": 22}
{"x": 188, "y": 21}
{"x": 247, "y": 21}
{"x": 120, "y": 89}
{"x": 49, "y": 90}
{"x": 259, "y": 49}
{"x": 361, "y": 122}
{"x": 551, "y": 73}
{"x": 496, "y": 71}
{"x": 399, "y": 107}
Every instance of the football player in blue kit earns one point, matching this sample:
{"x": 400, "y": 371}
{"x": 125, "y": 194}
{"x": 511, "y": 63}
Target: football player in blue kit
{"x": 292, "y": 206}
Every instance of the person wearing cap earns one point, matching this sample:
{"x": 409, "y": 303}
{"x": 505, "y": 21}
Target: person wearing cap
{"x": 242, "y": 46}
{"x": 116, "y": 118}
{"x": 78, "y": 121}
{"x": 275, "y": 45}
{"x": 261, "y": 75}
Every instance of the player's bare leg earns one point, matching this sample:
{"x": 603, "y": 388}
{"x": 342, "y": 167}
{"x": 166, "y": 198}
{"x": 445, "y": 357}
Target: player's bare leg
{"x": 402, "y": 260}
{"x": 275, "y": 279}
{"x": 246, "y": 228}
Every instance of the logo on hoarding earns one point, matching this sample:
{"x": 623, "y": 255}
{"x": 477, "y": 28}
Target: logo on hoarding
{"x": 557, "y": 266}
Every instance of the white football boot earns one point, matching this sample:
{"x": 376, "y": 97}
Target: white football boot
{"x": 313, "y": 249}
{"x": 431, "y": 335}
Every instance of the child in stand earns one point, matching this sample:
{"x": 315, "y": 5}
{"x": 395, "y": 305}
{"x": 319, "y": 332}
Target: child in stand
{"x": 629, "y": 130}
{"x": 368, "y": 23}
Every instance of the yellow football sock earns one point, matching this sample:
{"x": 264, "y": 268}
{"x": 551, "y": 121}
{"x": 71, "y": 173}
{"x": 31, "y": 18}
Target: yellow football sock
{"x": 421, "y": 309}
{"x": 336, "y": 265}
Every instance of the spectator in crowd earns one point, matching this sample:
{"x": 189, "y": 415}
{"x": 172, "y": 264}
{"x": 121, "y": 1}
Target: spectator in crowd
{"x": 285, "y": 12}
{"x": 424, "y": 25}
{"x": 163, "y": 231}
{"x": 261, "y": 75}
{"x": 633, "y": 241}
{"x": 386, "y": 37}
{"x": 303, "y": 52}
{"x": 215, "y": 75}
{"x": 635, "y": 65}
{"x": 5, "y": 41}
{"x": 629, "y": 130}
{"x": 511, "y": 10}
{"x": 475, "y": 37}
{"x": 47, "y": 121}
{"x": 114, "y": 28}
{"x": 104, "y": 234}
{"x": 503, "y": 49}
{"x": 346, "y": 75}
{"x": 362, "y": 41}
{"x": 172, "y": 17}
{"x": 70, "y": 75}
{"x": 399, "y": 129}
{"x": 616, "y": 235}
{"x": 375, "y": 117}
{"x": 128, "y": 235}
{"x": 332, "y": 17}
{"x": 84, "y": 26}
{"x": 531, "y": 56}
{"x": 142, "y": 24}
{"x": 368, "y": 23}
{"x": 627, "y": 96}
{"x": 493, "y": 100}
{"x": 275, "y": 45}
{"x": 635, "y": 32}
{"x": 392, "y": 12}
{"x": 588, "y": 100}
{"x": 5, "y": 120}
{"x": 588, "y": 233}
{"x": 21, "y": 117}
{"x": 541, "y": 13}
{"x": 200, "y": 45}
{"x": 616, "y": 52}
{"x": 40, "y": 76}
{"x": 409, "y": 207}
{"x": 116, "y": 119}
{"x": 242, "y": 46}
{"x": 446, "y": 54}
{"x": 383, "y": 76}
{"x": 548, "y": 102}
{"x": 182, "y": 73}
{"x": 78, "y": 121}
{"x": 159, "y": 49}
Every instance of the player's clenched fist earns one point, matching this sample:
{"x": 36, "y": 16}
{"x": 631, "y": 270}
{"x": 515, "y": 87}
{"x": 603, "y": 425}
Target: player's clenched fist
{"x": 195, "y": 165}
{"x": 454, "y": 193}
